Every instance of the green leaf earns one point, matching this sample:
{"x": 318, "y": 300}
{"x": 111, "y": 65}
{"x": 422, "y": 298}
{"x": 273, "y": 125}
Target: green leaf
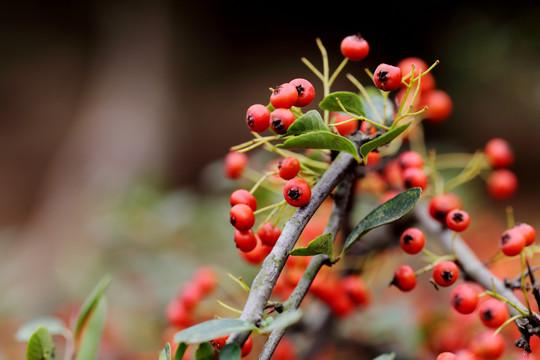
{"x": 90, "y": 303}
{"x": 382, "y": 140}
{"x": 378, "y": 103}
{"x": 350, "y": 101}
{"x": 390, "y": 356}
{"x": 180, "y": 350}
{"x": 212, "y": 329}
{"x": 91, "y": 333}
{"x": 40, "y": 345}
{"x": 310, "y": 121}
{"x": 230, "y": 352}
{"x": 165, "y": 353}
{"x": 205, "y": 352}
{"x": 321, "y": 140}
{"x": 323, "y": 244}
{"x": 54, "y": 325}
{"x": 385, "y": 213}
{"x": 283, "y": 321}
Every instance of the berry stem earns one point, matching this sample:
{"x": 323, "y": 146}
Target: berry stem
{"x": 356, "y": 117}
{"x": 269, "y": 207}
{"x": 336, "y": 72}
{"x": 228, "y": 307}
{"x": 313, "y": 68}
{"x": 239, "y": 281}
{"x": 365, "y": 95}
{"x": 261, "y": 180}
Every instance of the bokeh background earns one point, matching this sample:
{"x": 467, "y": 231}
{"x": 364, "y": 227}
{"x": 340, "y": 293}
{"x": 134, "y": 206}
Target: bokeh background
{"x": 115, "y": 117}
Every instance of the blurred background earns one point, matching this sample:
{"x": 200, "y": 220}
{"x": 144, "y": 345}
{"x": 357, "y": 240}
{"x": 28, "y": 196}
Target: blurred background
{"x": 115, "y": 117}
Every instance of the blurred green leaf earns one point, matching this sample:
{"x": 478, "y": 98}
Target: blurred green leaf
{"x": 40, "y": 345}
{"x": 323, "y": 244}
{"x": 165, "y": 354}
{"x": 382, "y": 140}
{"x": 390, "y": 356}
{"x": 212, "y": 329}
{"x": 90, "y": 303}
{"x": 350, "y": 101}
{"x": 230, "y": 352}
{"x": 310, "y": 121}
{"x": 91, "y": 333}
{"x": 205, "y": 352}
{"x": 378, "y": 103}
{"x": 55, "y": 326}
{"x": 321, "y": 140}
{"x": 180, "y": 350}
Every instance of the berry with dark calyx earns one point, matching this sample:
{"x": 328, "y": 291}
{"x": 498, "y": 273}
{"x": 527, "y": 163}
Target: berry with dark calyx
{"x": 280, "y": 120}
{"x": 412, "y": 241}
{"x": 235, "y": 163}
{"x": 415, "y": 177}
{"x": 245, "y": 240}
{"x": 488, "y": 345}
{"x": 464, "y": 299}
{"x": 269, "y": 234}
{"x": 243, "y": 196}
{"x": 446, "y": 356}
{"x": 404, "y": 278}
{"x": 440, "y": 205}
{"x": 297, "y": 192}
{"x": 493, "y": 313}
{"x": 306, "y": 92}
{"x": 439, "y": 105}
{"x": 457, "y": 220}
{"x": 502, "y": 184}
{"x": 498, "y": 153}
{"x": 354, "y": 47}
{"x": 284, "y": 96}
{"x": 241, "y": 217}
{"x": 445, "y": 273}
{"x": 289, "y": 167}
{"x": 529, "y": 233}
{"x": 387, "y": 77}
{"x": 258, "y": 118}
{"x": 409, "y": 159}
{"x": 512, "y": 242}
{"x": 348, "y": 127}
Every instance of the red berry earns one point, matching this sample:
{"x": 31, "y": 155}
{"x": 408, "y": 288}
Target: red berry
{"x": 235, "y": 163}
{"x": 258, "y": 118}
{"x": 206, "y": 278}
{"x": 356, "y": 289}
{"x": 242, "y": 196}
{"x": 248, "y": 345}
{"x": 512, "y": 242}
{"x": 440, "y": 205}
{"x": 409, "y": 159}
{"x": 412, "y": 241}
{"x": 280, "y": 120}
{"x": 269, "y": 234}
{"x": 245, "y": 240}
{"x": 457, "y": 220}
{"x": 354, "y": 47}
{"x": 446, "y": 356}
{"x": 367, "y": 128}
{"x": 284, "y": 96}
{"x": 289, "y": 167}
{"x": 177, "y": 314}
{"x": 498, "y": 153}
{"x": 190, "y": 295}
{"x": 502, "y": 184}
{"x": 404, "y": 278}
{"x": 493, "y": 313}
{"x": 415, "y": 177}
{"x": 529, "y": 233}
{"x": 439, "y": 105}
{"x": 445, "y": 273}
{"x": 297, "y": 192}
{"x": 347, "y": 128}
{"x": 488, "y": 345}
{"x": 427, "y": 82}
{"x": 220, "y": 342}
{"x": 306, "y": 92}
{"x": 257, "y": 255}
{"x": 387, "y": 77}
{"x": 464, "y": 299}
{"x": 242, "y": 217}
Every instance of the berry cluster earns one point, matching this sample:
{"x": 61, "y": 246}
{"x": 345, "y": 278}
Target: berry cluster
{"x": 502, "y": 183}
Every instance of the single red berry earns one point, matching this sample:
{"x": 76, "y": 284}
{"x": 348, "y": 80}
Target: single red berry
{"x": 415, "y": 177}
{"x": 177, "y": 314}
{"x": 269, "y": 234}
{"x": 464, "y": 299}
{"x": 445, "y": 273}
{"x": 257, "y": 255}
{"x": 190, "y": 295}
{"x": 235, "y": 163}
{"x": 284, "y": 96}
{"x": 428, "y": 80}
{"x": 412, "y": 241}
{"x": 529, "y": 233}
{"x": 206, "y": 278}
{"x": 248, "y": 345}
{"x": 354, "y": 47}
{"x": 439, "y": 105}
{"x": 457, "y": 220}
{"x": 502, "y": 184}
{"x": 297, "y": 192}
{"x": 409, "y": 159}
{"x": 242, "y": 196}
{"x": 440, "y": 205}
{"x": 280, "y": 120}
{"x": 341, "y": 304}
{"x": 498, "y": 153}
{"x": 220, "y": 342}
{"x": 446, "y": 356}
{"x": 488, "y": 345}
{"x": 493, "y": 313}
{"x": 242, "y": 217}
{"x": 387, "y": 77}
{"x": 245, "y": 240}
{"x": 306, "y": 92}
{"x": 258, "y": 118}
{"x": 355, "y": 287}
{"x": 512, "y": 242}
{"x": 348, "y": 127}
{"x": 404, "y": 278}
{"x": 289, "y": 167}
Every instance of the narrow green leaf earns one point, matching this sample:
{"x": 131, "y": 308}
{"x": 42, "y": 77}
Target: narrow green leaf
{"x": 390, "y": 356}
{"x": 90, "y": 303}
{"x": 230, "y": 352}
{"x": 205, "y": 352}
{"x": 54, "y": 325}
{"x": 349, "y": 100}
{"x": 40, "y": 345}
{"x": 180, "y": 350}
{"x": 385, "y": 213}
{"x": 212, "y": 329}
{"x": 323, "y": 244}
{"x": 91, "y": 333}
{"x": 165, "y": 354}
{"x": 321, "y": 140}
{"x": 378, "y": 103}
{"x": 310, "y": 121}
{"x": 382, "y": 140}
{"x": 283, "y": 321}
